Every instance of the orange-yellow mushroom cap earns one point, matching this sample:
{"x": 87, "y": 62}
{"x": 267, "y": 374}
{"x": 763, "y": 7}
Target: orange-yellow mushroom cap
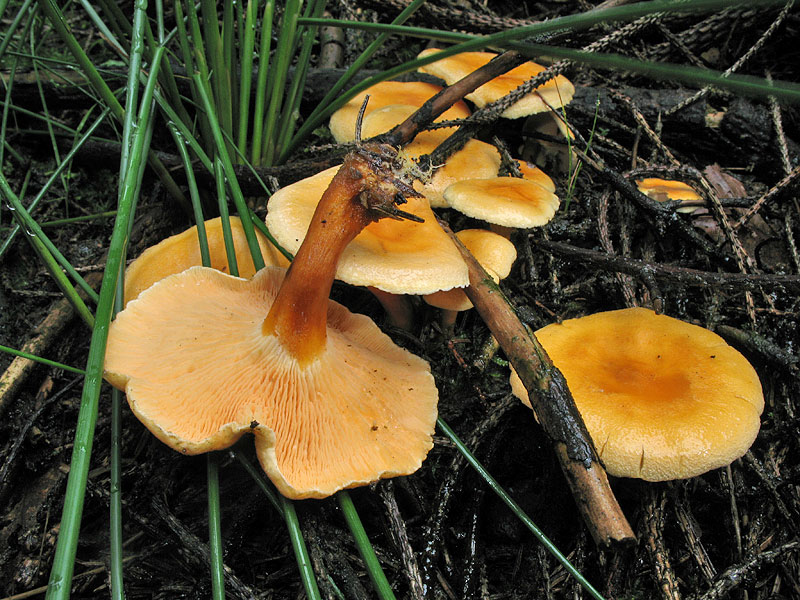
{"x": 400, "y": 257}
{"x": 415, "y": 93}
{"x": 555, "y": 92}
{"x": 662, "y": 399}
{"x": 199, "y": 373}
{"x": 179, "y": 252}
{"x": 506, "y": 201}
{"x": 663, "y": 190}
{"x": 495, "y": 254}
{"x": 536, "y": 175}
{"x": 475, "y": 160}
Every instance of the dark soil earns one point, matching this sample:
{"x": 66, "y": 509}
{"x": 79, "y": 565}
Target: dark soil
{"x": 728, "y": 533}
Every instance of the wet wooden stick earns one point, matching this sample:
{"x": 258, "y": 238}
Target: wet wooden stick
{"x": 554, "y": 405}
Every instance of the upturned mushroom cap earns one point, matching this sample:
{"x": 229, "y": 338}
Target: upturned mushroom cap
{"x": 414, "y": 93}
{"x": 663, "y": 190}
{"x": 506, "y": 201}
{"x": 555, "y": 92}
{"x": 199, "y": 373}
{"x": 179, "y": 252}
{"x": 400, "y": 257}
{"x": 495, "y": 254}
{"x": 662, "y": 399}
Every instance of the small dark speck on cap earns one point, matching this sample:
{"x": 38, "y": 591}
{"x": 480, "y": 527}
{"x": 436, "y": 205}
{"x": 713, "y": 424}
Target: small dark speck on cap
{"x": 253, "y": 424}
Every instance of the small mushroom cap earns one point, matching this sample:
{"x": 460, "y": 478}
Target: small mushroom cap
{"x": 662, "y": 399}
{"x": 414, "y": 93}
{"x": 400, "y": 257}
{"x": 663, "y": 190}
{"x": 381, "y": 120}
{"x": 475, "y": 160}
{"x": 507, "y": 201}
{"x": 535, "y": 174}
{"x": 199, "y": 373}
{"x": 555, "y": 92}
{"x": 495, "y": 254}
{"x": 179, "y": 252}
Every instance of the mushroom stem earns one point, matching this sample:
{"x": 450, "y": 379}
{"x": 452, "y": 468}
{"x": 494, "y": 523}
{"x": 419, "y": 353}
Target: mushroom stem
{"x": 363, "y": 190}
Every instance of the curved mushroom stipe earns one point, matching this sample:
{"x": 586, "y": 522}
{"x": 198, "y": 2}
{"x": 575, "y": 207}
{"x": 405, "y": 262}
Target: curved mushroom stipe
{"x": 671, "y": 400}
{"x": 399, "y": 257}
{"x": 199, "y": 373}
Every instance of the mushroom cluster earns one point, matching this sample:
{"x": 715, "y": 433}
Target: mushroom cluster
{"x": 468, "y": 182}
{"x": 332, "y": 402}
{"x": 662, "y": 399}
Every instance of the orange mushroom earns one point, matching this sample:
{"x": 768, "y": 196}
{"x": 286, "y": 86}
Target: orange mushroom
{"x": 507, "y": 201}
{"x": 554, "y": 93}
{"x": 205, "y": 357}
{"x": 495, "y": 254}
{"x": 413, "y": 93}
{"x": 475, "y": 160}
{"x": 662, "y": 399}
{"x": 664, "y": 190}
{"x": 181, "y": 251}
{"x": 396, "y": 256}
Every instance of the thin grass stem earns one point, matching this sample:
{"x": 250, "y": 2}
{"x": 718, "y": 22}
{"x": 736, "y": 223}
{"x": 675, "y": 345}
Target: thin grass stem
{"x": 291, "y": 105}
{"x": 39, "y": 359}
{"x": 230, "y": 176}
{"x": 280, "y": 71}
{"x": 246, "y": 74}
{"x": 517, "y": 509}
{"x": 49, "y": 254}
{"x": 354, "y": 68}
{"x": 300, "y": 552}
{"x": 286, "y": 508}
{"x": 257, "y": 138}
{"x": 227, "y": 235}
{"x": 77, "y": 146}
{"x": 115, "y": 500}
{"x": 60, "y": 582}
{"x": 214, "y": 528}
{"x": 374, "y": 569}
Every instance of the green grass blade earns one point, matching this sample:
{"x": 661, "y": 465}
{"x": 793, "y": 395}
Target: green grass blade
{"x": 374, "y": 569}
{"x": 286, "y": 508}
{"x": 517, "y": 510}
{"x": 56, "y": 18}
{"x": 13, "y": 70}
{"x": 300, "y": 551}
{"x": 115, "y": 501}
{"x": 257, "y": 139}
{"x": 246, "y": 74}
{"x": 283, "y": 57}
{"x": 230, "y": 175}
{"x": 39, "y": 359}
{"x": 227, "y": 236}
{"x": 8, "y": 37}
{"x": 194, "y": 193}
{"x": 291, "y": 105}
{"x": 60, "y": 583}
{"x": 50, "y": 255}
{"x": 132, "y": 88}
{"x": 75, "y": 148}
{"x": 214, "y": 528}
{"x": 354, "y": 68}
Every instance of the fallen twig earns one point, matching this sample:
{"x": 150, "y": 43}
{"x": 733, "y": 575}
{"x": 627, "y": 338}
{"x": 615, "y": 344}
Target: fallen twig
{"x": 554, "y": 407}
{"x": 682, "y": 275}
